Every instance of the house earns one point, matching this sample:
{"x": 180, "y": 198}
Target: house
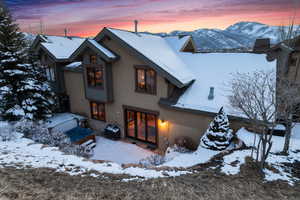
{"x": 54, "y": 53}
{"x": 287, "y": 55}
{"x": 156, "y": 89}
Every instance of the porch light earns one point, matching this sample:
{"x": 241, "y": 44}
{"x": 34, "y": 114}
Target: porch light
{"x": 163, "y": 123}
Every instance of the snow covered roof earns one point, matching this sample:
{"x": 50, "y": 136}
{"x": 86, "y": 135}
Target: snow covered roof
{"x": 62, "y": 118}
{"x": 158, "y": 50}
{"x": 74, "y": 65}
{"x": 107, "y": 52}
{"x": 61, "y": 47}
{"x": 93, "y": 44}
{"x": 207, "y": 70}
{"x": 215, "y": 70}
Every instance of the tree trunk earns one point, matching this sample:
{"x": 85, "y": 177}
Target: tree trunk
{"x": 288, "y": 134}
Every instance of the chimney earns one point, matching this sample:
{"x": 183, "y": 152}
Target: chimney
{"x": 211, "y": 94}
{"x": 136, "y": 22}
{"x": 66, "y": 32}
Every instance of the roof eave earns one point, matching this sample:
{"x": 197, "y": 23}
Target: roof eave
{"x": 171, "y": 105}
{"x": 86, "y": 44}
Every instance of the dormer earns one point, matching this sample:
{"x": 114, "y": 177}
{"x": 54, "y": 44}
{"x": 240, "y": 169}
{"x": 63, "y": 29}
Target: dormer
{"x": 97, "y": 71}
{"x": 189, "y": 46}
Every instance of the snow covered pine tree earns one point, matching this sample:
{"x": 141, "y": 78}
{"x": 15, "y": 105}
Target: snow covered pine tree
{"x": 219, "y": 135}
{"x": 23, "y": 92}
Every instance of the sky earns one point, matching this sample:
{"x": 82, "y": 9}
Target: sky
{"x": 88, "y": 17}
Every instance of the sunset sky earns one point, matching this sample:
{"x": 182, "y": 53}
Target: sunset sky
{"x": 88, "y": 17}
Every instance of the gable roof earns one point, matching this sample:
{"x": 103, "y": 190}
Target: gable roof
{"x": 59, "y": 47}
{"x": 156, "y": 52}
{"x": 94, "y": 45}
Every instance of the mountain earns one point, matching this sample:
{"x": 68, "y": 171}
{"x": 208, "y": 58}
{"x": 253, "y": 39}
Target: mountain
{"x": 241, "y": 35}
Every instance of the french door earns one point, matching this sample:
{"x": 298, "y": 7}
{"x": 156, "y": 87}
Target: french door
{"x": 141, "y": 126}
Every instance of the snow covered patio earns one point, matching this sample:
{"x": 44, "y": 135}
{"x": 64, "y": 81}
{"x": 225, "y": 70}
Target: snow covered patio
{"x": 119, "y": 152}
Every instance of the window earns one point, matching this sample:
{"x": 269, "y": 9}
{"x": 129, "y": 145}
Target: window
{"x": 95, "y": 76}
{"x": 98, "y": 111}
{"x": 141, "y": 126}
{"x": 145, "y": 80}
{"x": 93, "y": 59}
{"x": 50, "y": 74}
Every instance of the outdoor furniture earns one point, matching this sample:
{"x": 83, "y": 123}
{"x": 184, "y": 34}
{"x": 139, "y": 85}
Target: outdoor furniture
{"x": 112, "y": 131}
{"x": 88, "y": 145}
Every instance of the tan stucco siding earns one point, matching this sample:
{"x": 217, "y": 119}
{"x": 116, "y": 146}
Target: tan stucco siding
{"x": 78, "y": 102}
{"x": 178, "y": 123}
{"x": 75, "y": 91}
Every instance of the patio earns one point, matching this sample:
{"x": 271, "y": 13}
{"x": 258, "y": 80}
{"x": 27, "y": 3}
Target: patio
{"x": 120, "y": 152}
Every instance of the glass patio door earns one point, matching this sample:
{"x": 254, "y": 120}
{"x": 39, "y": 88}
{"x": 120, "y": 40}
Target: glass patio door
{"x": 141, "y": 126}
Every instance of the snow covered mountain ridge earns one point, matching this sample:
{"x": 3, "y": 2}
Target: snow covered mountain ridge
{"x": 241, "y": 35}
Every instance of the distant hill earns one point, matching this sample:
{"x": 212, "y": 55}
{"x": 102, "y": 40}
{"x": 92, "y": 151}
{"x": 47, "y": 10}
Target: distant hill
{"x": 241, "y": 35}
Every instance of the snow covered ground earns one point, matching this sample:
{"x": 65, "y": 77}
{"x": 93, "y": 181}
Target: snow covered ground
{"x": 202, "y": 155}
{"x": 22, "y": 153}
{"x": 119, "y": 152}
{"x": 232, "y": 162}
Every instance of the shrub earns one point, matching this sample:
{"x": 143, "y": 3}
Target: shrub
{"x": 7, "y": 132}
{"x": 174, "y": 151}
{"x": 40, "y": 133}
{"x": 153, "y": 160}
{"x": 77, "y": 150}
{"x": 185, "y": 142}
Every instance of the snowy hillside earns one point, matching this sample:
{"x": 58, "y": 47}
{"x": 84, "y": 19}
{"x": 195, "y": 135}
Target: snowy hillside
{"x": 239, "y": 35}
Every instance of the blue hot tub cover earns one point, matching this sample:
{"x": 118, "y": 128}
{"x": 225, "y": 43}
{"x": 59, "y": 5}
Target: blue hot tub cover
{"x": 78, "y": 133}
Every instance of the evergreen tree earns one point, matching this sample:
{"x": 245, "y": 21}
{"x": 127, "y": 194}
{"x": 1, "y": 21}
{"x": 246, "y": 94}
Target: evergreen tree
{"x": 219, "y": 135}
{"x": 24, "y": 92}
{"x": 39, "y": 101}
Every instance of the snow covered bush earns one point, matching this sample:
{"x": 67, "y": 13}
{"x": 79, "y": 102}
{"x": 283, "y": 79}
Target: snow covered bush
{"x": 7, "y": 132}
{"x": 78, "y": 150}
{"x": 40, "y": 133}
{"x": 185, "y": 143}
{"x": 219, "y": 135}
{"x": 175, "y": 151}
{"x": 153, "y": 160}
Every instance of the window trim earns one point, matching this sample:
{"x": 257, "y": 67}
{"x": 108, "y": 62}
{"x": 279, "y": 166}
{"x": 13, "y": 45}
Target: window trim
{"x": 135, "y": 110}
{"x": 146, "y": 91}
{"x": 91, "y": 110}
{"x": 94, "y": 75}
{"x": 50, "y": 73}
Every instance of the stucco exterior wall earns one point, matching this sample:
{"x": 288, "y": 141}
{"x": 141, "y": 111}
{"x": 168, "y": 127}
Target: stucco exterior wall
{"x": 78, "y": 102}
{"x": 294, "y": 71}
{"x": 177, "y": 123}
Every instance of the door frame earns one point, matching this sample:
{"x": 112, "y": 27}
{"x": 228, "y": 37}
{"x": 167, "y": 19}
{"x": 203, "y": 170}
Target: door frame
{"x": 146, "y": 111}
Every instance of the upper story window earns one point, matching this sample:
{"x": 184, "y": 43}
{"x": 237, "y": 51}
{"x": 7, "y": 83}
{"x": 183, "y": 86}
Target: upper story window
{"x": 98, "y": 111}
{"x": 50, "y": 74}
{"x": 145, "y": 80}
{"x": 93, "y": 59}
{"x": 95, "y": 76}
